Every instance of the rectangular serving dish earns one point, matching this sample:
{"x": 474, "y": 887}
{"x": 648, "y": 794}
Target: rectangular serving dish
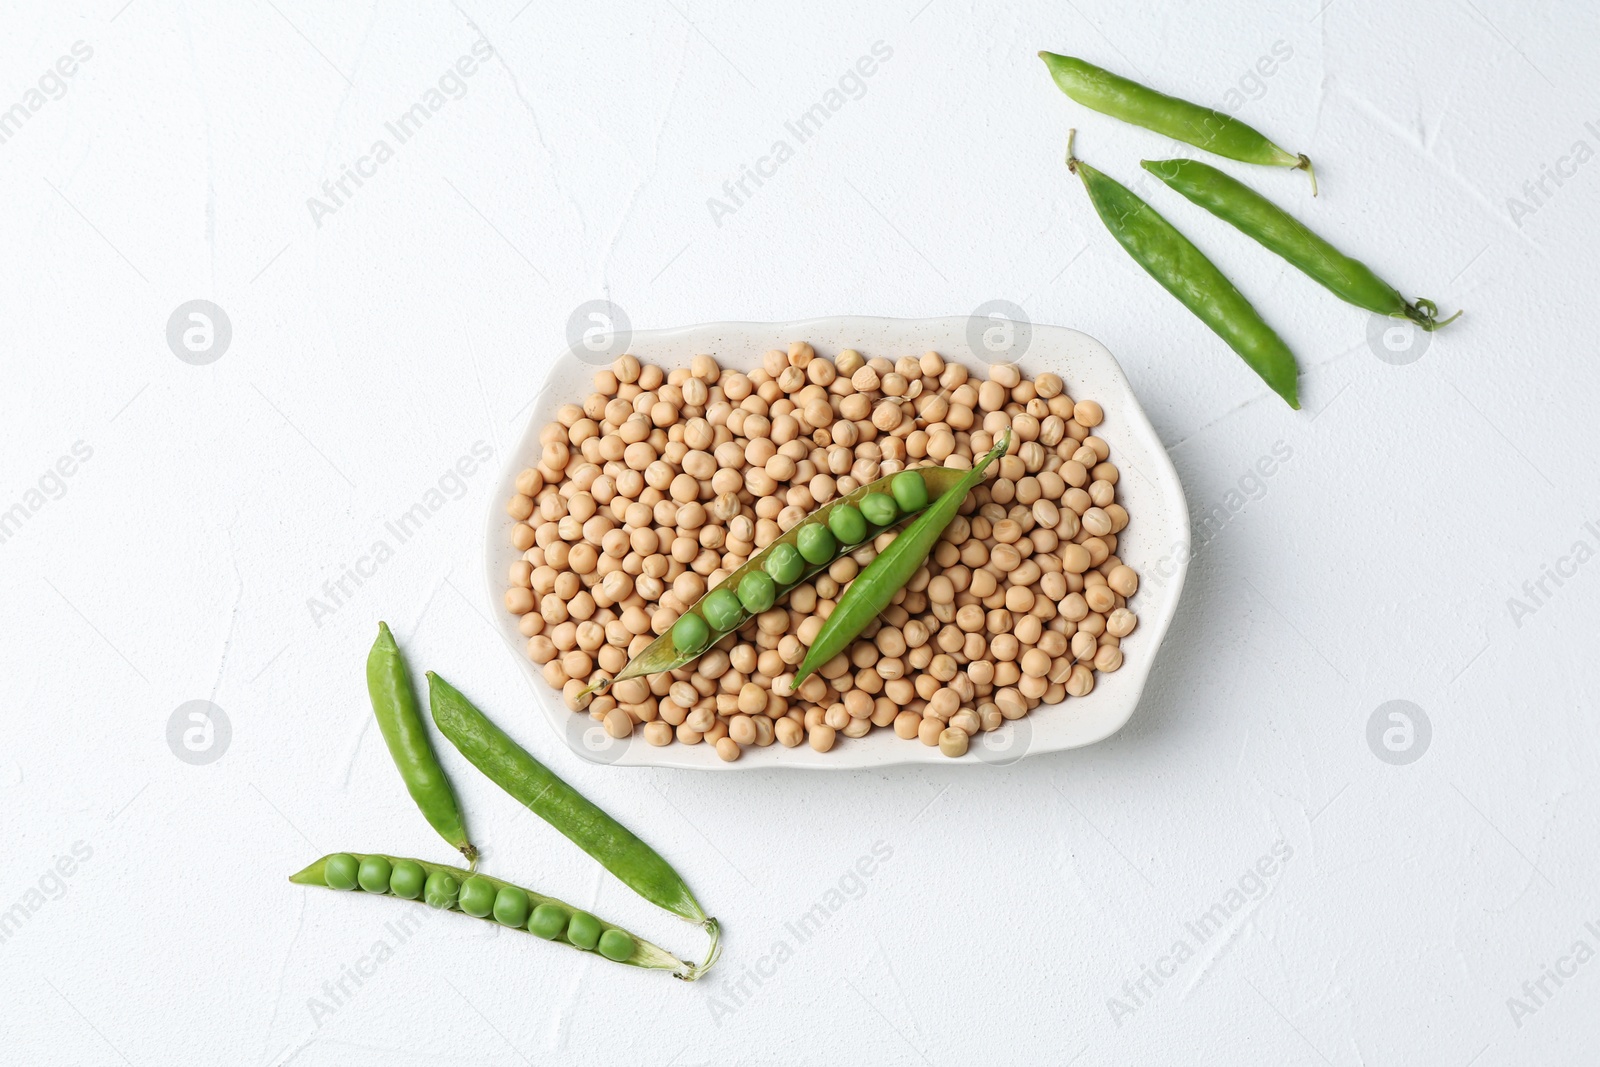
{"x": 1149, "y": 489}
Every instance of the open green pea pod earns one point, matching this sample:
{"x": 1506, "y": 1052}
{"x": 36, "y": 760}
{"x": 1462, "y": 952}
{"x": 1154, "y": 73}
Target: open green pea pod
{"x": 493, "y": 900}
{"x": 810, "y": 547}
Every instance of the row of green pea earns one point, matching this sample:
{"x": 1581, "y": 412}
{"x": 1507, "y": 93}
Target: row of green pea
{"x": 816, "y": 543}
{"x": 480, "y": 897}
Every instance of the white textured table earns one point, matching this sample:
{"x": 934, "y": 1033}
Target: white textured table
{"x": 1238, "y": 877}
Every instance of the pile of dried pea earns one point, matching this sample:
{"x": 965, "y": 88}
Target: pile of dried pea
{"x": 661, "y": 484}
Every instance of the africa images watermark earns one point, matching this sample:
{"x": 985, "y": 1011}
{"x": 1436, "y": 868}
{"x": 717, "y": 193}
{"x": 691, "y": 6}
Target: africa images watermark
{"x": 51, "y": 485}
{"x": 450, "y": 486}
{"x": 1536, "y": 591}
{"x": 1537, "y": 992}
{"x": 50, "y": 885}
{"x": 450, "y": 85}
{"x": 340, "y": 991}
{"x": 51, "y": 85}
{"x": 1250, "y": 487}
{"x": 1537, "y": 191}
{"x": 1251, "y": 886}
{"x": 735, "y": 992}
{"x": 851, "y": 85}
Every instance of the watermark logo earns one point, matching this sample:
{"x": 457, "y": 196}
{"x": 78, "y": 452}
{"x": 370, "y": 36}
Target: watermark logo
{"x": 589, "y": 739}
{"x": 598, "y": 331}
{"x": 1536, "y": 591}
{"x": 199, "y": 332}
{"x": 850, "y": 85}
{"x": 1537, "y": 992}
{"x": 51, "y": 884}
{"x": 999, "y": 332}
{"x": 735, "y": 991}
{"x": 1398, "y": 732}
{"x": 1397, "y": 342}
{"x": 1005, "y": 746}
{"x": 199, "y": 732}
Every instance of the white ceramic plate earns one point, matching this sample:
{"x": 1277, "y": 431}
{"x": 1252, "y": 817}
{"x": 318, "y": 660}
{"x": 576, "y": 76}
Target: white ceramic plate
{"x": 1149, "y": 489}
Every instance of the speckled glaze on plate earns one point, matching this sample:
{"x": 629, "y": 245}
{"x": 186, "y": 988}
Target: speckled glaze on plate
{"x": 1149, "y": 489}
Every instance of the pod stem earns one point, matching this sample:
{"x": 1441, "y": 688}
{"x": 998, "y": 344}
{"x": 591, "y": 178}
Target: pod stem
{"x": 1072, "y": 160}
{"x": 713, "y": 952}
{"x": 470, "y": 851}
{"x": 1425, "y": 313}
{"x": 1305, "y": 165}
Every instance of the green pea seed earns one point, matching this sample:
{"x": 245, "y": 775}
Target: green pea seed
{"x": 690, "y": 634}
{"x": 583, "y": 930}
{"x": 477, "y": 896}
{"x": 441, "y": 891}
{"x": 847, "y": 524}
{"x": 879, "y": 509}
{"x": 816, "y": 543}
{"x": 616, "y": 945}
{"x": 785, "y": 564}
{"x": 721, "y": 609}
{"x": 406, "y": 879}
{"x": 511, "y": 906}
{"x": 910, "y": 491}
{"x": 757, "y": 591}
{"x": 341, "y": 871}
{"x": 374, "y": 874}
{"x": 548, "y": 921}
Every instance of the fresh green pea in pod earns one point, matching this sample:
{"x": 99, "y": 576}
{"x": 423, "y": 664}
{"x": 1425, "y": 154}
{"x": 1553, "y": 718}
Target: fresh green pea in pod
{"x": 785, "y": 564}
{"x": 910, "y": 491}
{"x": 847, "y": 525}
{"x": 548, "y": 921}
{"x": 879, "y": 509}
{"x": 757, "y": 592}
{"x": 722, "y": 609}
{"x": 374, "y": 874}
{"x": 583, "y": 930}
{"x": 616, "y": 945}
{"x": 511, "y": 906}
{"x": 816, "y": 543}
{"x": 690, "y": 634}
{"x": 441, "y": 891}
{"x": 477, "y": 896}
{"x": 406, "y": 880}
{"x": 342, "y": 871}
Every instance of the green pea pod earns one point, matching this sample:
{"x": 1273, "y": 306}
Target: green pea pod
{"x": 537, "y": 788}
{"x": 399, "y": 715}
{"x": 1214, "y": 131}
{"x": 873, "y": 589}
{"x": 1233, "y": 201}
{"x": 1183, "y": 270}
{"x": 620, "y": 947}
{"x": 664, "y": 654}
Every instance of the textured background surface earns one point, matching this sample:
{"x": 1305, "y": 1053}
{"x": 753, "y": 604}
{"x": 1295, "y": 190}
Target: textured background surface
{"x": 1018, "y": 908}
